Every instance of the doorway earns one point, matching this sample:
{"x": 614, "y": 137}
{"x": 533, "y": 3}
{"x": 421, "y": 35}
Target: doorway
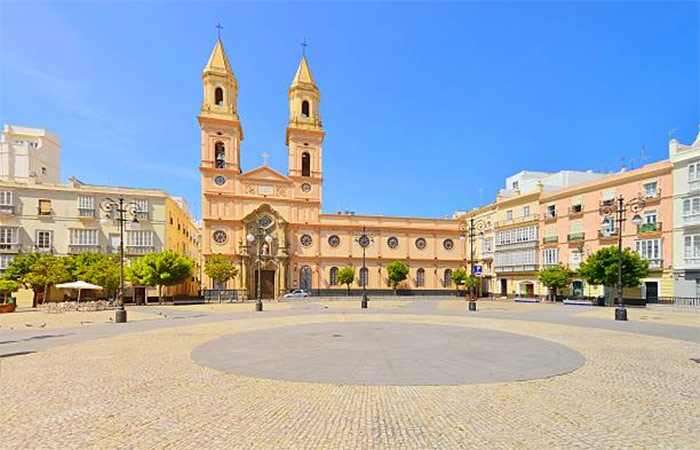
{"x": 652, "y": 291}
{"x": 504, "y": 287}
{"x": 267, "y": 284}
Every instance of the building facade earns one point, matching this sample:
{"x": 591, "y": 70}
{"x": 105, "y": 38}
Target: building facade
{"x": 29, "y": 154}
{"x": 271, "y": 224}
{"x": 686, "y": 217}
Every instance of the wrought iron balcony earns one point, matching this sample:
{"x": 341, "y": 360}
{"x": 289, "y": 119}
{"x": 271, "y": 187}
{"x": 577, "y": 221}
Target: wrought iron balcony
{"x": 550, "y": 239}
{"x": 83, "y": 248}
{"x": 574, "y": 237}
{"x": 649, "y": 227}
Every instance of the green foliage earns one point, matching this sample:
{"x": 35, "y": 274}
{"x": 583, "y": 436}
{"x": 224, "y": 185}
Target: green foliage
{"x": 20, "y": 267}
{"x": 8, "y": 287}
{"x": 96, "y": 268}
{"x": 46, "y": 271}
{"x": 346, "y": 276}
{"x": 601, "y": 268}
{"x": 160, "y": 269}
{"x": 396, "y": 273}
{"x": 220, "y": 268}
{"x": 459, "y": 276}
{"x": 556, "y": 276}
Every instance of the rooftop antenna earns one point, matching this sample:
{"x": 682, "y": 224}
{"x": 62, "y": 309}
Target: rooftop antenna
{"x": 643, "y": 153}
{"x": 218, "y": 27}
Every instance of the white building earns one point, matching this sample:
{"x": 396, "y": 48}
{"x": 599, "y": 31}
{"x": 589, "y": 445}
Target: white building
{"x": 29, "y": 153}
{"x": 686, "y": 217}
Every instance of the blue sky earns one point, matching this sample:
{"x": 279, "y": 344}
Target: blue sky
{"x": 427, "y": 106}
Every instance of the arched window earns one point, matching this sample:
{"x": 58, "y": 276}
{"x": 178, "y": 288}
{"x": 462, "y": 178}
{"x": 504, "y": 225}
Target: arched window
{"x": 219, "y": 96}
{"x": 448, "y": 278}
{"x": 305, "y": 282}
{"x": 305, "y": 109}
{"x": 420, "y": 277}
{"x": 334, "y": 276}
{"x": 305, "y": 165}
{"x": 220, "y": 155}
{"x": 364, "y": 277}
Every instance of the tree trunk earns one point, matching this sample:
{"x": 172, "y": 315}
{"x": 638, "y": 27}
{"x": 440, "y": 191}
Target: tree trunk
{"x": 160, "y": 294}
{"x": 46, "y": 293}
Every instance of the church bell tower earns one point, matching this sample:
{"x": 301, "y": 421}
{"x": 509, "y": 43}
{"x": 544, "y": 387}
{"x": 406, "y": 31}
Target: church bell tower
{"x": 305, "y": 133}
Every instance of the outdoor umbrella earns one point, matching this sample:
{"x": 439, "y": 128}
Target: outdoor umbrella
{"x": 79, "y": 285}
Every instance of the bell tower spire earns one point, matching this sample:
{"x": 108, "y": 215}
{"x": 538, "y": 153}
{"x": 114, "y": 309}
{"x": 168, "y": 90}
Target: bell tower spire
{"x": 305, "y": 131}
{"x": 218, "y": 119}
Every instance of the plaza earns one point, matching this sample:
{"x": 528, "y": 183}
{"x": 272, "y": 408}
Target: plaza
{"x": 423, "y": 374}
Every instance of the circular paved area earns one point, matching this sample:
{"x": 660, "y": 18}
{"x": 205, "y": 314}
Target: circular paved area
{"x": 387, "y": 354}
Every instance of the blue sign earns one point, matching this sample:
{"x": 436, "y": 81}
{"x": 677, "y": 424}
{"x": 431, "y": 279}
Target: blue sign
{"x": 477, "y": 271}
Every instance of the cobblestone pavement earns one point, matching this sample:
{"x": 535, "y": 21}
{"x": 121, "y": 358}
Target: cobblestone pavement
{"x": 142, "y": 390}
{"x": 33, "y": 319}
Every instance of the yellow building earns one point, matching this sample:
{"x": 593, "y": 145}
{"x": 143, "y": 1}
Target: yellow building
{"x": 483, "y": 220}
{"x": 300, "y": 246}
{"x": 66, "y": 219}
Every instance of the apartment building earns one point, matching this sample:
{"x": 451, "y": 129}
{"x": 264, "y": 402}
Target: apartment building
{"x": 484, "y": 220}
{"x": 29, "y": 153}
{"x": 686, "y": 217}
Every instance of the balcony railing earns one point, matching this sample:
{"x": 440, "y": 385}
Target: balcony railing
{"x": 523, "y": 219}
{"x": 651, "y": 196}
{"x": 7, "y": 209}
{"x": 86, "y": 212}
{"x": 655, "y": 263}
{"x": 9, "y": 248}
{"x": 573, "y": 211}
{"x": 138, "y": 249}
{"x": 694, "y": 185}
{"x": 83, "y": 248}
{"x": 550, "y": 215}
{"x": 550, "y": 239}
{"x": 574, "y": 237}
{"x": 649, "y": 227}
{"x": 607, "y": 234}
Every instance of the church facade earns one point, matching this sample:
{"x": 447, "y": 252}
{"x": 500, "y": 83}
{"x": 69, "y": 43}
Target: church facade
{"x": 267, "y": 220}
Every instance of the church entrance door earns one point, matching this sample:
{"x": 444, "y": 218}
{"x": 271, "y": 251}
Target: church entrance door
{"x": 267, "y": 284}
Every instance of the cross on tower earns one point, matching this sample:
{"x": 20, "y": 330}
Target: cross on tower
{"x": 303, "y": 47}
{"x": 218, "y": 29}
{"x": 265, "y": 155}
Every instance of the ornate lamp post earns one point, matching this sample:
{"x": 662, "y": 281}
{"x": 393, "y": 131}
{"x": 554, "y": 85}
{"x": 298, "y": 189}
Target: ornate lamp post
{"x": 619, "y": 208}
{"x": 259, "y": 234}
{"x": 472, "y": 229}
{"x": 365, "y": 239}
{"x": 117, "y": 210}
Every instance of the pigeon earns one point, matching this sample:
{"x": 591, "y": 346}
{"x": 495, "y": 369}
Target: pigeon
{"x": 42, "y": 325}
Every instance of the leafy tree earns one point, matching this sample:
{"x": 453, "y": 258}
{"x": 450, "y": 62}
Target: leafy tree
{"x": 18, "y": 270}
{"x": 160, "y": 269}
{"x": 556, "y": 277}
{"x": 396, "y": 273}
{"x": 220, "y": 268}
{"x": 8, "y": 287}
{"x": 601, "y": 268}
{"x": 96, "y": 268}
{"x": 46, "y": 271}
{"x": 459, "y": 276}
{"x": 346, "y": 276}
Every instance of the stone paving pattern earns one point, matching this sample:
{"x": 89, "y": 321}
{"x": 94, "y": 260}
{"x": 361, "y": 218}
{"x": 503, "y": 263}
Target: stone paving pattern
{"x": 143, "y": 391}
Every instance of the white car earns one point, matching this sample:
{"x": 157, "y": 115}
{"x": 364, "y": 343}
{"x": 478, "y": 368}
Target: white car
{"x": 297, "y": 293}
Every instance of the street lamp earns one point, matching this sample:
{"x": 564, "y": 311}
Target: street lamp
{"x": 618, "y": 208}
{"x": 365, "y": 239}
{"x": 259, "y": 235}
{"x": 120, "y": 209}
{"x": 473, "y": 227}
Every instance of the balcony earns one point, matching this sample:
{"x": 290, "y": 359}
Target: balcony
{"x": 83, "y": 248}
{"x": 550, "y": 216}
{"x": 655, "y": 263}
{"x": 86, "y": 213}
{"x": 646, "y": 228}
{"x": 607, "y": 235}
{"x": 550, "y": 239}
{"x": 576, "y": 211}
{"x": 138, "y": 249}
{"x": 575, "y": 237}
{"x": 7, "y": 209}
{"x": 9, "y": 248}
{"x": 691, "y": 219}
{"x": 518, "y": 220}
{"x": 651, "y": 197}
{"x": 693, "y": 185}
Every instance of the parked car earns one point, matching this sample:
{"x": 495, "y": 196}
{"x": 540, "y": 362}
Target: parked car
{"x": 297, "y": 293}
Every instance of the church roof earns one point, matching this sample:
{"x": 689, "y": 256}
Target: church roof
{"x": 218, "y": 61}
{"x": 303, "y": 74}
{"x": 265, "y": 172}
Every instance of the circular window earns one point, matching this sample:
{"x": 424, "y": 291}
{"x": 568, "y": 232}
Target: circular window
{"x": 448, "y": 244}
{"x": 420, "y": 243}
{"x": 220, "y": 180}
{"x": 220, "y": 236}
{"x": 364, "y": 241}
{"x": 334, "y": 241}
{"x": 265, "y": 221}
{"x": 306, "y": 187}
{"x": 392, "y": 242}
{"x": 305, "y": 240}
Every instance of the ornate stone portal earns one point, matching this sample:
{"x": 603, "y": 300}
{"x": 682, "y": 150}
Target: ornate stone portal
{"x": 272, "y": 256}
